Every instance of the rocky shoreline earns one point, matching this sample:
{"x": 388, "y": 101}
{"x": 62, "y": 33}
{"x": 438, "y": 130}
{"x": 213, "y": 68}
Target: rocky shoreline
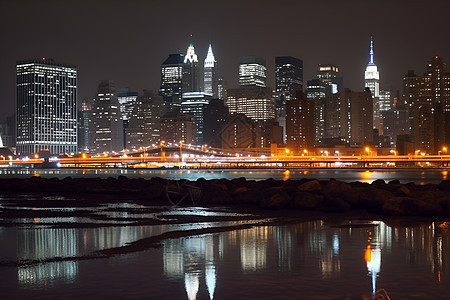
{"x": 380, "y": 197}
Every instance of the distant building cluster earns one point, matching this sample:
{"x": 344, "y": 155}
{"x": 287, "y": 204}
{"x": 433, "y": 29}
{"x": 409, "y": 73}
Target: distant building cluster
{"x": 195, "y": 106}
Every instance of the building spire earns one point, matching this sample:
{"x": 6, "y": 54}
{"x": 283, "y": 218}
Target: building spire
{"x": 210, "y": 60}
{"x": 371, "y": 51}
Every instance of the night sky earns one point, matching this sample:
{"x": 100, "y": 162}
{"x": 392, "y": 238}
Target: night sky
{"x": 127, "y": 41}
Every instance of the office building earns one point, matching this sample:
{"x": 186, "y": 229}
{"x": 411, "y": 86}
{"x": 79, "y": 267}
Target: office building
{"x": 428, "y": 101}
{"x": 215, "y": 115}
{"x": 329, "y": 74}
{"x": 252, "y": 71}
{"x": 288, "y": 79}
{"x": 144, "y": 127}
{"x": 177, "y": 127}
{"x": 172, "y": 80}
{"x": 255, "y": 102}
{"x": 191, "y": 71}
{"x": 194, "y": 104}
{"x": 300, "y": 124}
{"x": 107, "y": 126}
{"x": 210, "y": 80}
{"x": 240, "y": 132}
{"x": 288, "y": 76}
{"x": 372, "y": 82}
{"x": 46, "y": 107}
{"x": 84, "y": 119}
{"x": 127, "y": 102}
{"x": 361, "y": 112}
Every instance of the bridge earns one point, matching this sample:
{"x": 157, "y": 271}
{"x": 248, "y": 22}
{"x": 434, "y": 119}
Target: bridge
{"x": 186, "y": 156}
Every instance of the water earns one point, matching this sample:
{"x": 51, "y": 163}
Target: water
{"x": 309, "y": 260}
{"x": 419, "y": 176}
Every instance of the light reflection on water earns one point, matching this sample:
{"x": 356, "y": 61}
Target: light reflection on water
{"x": 260, "y": 262}
{"x": 419, "y": 176}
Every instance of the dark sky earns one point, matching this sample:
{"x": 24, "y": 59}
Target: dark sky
{"x": 127, "y": 41}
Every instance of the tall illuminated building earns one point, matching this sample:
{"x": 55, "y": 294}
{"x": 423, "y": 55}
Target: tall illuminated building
{"x": 191, "y": 71}
{"x": 371, "y": 75}
{"x": 84, "y": 119}
{"x": 288, "y": 75}
{"x": 372, "y": 81}
{"x": 252, "y": 71}
{"x": 172, "y": 80}
{"x": 210, "y": 79}
{"x": 288, "y": 79}
{"x": 46, "y": 107}
{"x": 300, "y": 124}
{"x": 107, "y": 125}
{"x": 127, "y": 101}
{"x": 329, "y": 74}
{"x": 428, "y": 101}
{"x": 144, "y": 125}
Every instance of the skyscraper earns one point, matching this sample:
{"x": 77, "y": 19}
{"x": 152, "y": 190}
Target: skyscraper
{"x": 300, "y": 124}
{"x": 428, "y": 102}
{"x": 252, "y": 71}
{"x": 288, "y": 79}
{"x": 371, "y": 75}
{"x": 107, "y": 125}
{"x": 193, "y": 104}
{"x": 127, "y": 102}
{"x": 144, "y": 127}
{"x": 288, "y": 75}
{"x": 191, "y": 71}
{"x": 171, "y": 80}
{"x": 84, "y": 119}
{"x": 372, "y": 81}
{"x": 46, "y": 107}
{"x": 210, "y": 80}
{"x": 361, "y": 112}
{"x": 329, "y": 74}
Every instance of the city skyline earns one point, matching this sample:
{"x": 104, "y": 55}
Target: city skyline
{"x": 124, "y": 42}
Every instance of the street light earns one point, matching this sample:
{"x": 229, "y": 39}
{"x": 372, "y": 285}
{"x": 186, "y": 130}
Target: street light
{"x": 444, "y": 149}
{"x": 287, "y": 151}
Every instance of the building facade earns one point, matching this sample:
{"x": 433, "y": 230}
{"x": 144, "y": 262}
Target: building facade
{"x": 428, "y": 101}
{"x": 172, "y": 80}
{"x": 254, "y": 102}
{"x": 46, "y": 107}
{"x": 191, "y": 71}
{"x": 300, "y": 125}
{"x": 252, "y": 71}
{"x": 194, "y": 104}
{"x": 144, "y": 127}
{"x": 107, "y": 125}
{"x": 210, "y": 80}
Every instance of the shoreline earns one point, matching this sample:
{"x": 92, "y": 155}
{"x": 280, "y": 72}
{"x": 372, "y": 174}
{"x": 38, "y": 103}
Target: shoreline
{"x": 388, "y": 199}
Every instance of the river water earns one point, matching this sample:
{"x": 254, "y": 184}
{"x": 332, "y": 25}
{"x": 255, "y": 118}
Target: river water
{"x": 42, "y": 258}
{"x": 419, "y": 176}
{"x": 309, "y": 260}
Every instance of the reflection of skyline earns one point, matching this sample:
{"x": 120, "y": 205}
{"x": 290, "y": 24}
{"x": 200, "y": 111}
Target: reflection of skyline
{"x": 200, "y": 261}
{"x": 39, "y": 244}
{"x": 310, "y": 245}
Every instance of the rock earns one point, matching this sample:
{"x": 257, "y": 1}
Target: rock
{"x": 342, "y": 190}
{"x": 403, "y": 191}
{"x": 444, "y": 185}
{"x": 277, "y": 201}
{"x": 336, "y": 204}
{"x": 305, "y": 200}
{"x": 393, "y": 206}
{"x": 310, "y": 186}
{"x": 411, "y": 206}
{"x": 374, "y": 198}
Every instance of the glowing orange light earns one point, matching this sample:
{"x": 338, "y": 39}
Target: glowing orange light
{"x": 368, "y": 254}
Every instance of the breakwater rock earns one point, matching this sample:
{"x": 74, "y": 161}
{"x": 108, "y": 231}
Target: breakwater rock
{"x": 389, "y": 198}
